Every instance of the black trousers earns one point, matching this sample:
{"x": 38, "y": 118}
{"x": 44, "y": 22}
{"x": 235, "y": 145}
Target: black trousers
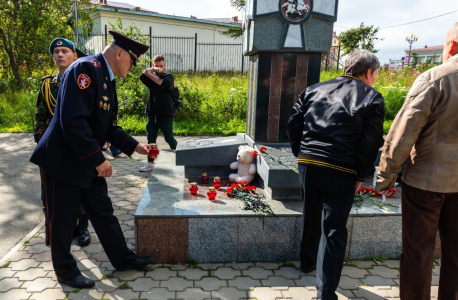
{"x": 164, "y": 123}
{"x": 63, "y": 205}
{"x": 328, "y": 197}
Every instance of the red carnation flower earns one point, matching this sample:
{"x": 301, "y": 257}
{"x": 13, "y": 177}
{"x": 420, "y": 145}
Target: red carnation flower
{"x": 227, "y": 183}
{"x": 244, "y": 184}
{"x": 263, "y": 149}
{"x": 253, "y": 189}
{"x": 229, "y": 192}
{"x": 255, "y": 154}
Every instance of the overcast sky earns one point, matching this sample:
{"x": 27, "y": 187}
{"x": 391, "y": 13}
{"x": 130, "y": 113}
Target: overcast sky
{"x": 351, "y": 14}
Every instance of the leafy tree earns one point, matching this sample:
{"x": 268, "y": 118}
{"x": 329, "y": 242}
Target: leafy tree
{"x": 26, "y": 29}
{"x": 235, "y": 32}
{"x": 363, "y": 37}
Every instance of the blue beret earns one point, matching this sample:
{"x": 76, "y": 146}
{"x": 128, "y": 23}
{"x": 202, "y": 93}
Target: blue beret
{"x": 61, "y": 42}
{"x": 134, "y": 48}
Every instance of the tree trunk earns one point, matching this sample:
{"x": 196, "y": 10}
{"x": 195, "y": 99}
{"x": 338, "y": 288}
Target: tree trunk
{"x": 13, "y": 64}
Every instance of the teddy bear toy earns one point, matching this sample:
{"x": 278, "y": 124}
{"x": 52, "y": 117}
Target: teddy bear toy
{"x": 244, "y": 164}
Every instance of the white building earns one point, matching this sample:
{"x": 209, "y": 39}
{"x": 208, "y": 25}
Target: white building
{"x": 186, "y": 42}
{"x": 427, "y": 53}
{"x": 396, "y": 64}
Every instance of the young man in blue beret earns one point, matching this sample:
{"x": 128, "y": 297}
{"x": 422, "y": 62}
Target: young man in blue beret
{"x": 64, "y": 54}
{"x": 70, "y": 154}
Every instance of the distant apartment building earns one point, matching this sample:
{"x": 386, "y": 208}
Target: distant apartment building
{"x": 395, "y": 64}
{"x": 427, "y": 53}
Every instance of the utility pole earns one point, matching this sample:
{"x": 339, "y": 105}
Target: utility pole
{"x": 411, "y": 39}
{"x": 76, "y": 22}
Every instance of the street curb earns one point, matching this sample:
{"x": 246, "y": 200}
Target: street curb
{"x": 21, "y": 243}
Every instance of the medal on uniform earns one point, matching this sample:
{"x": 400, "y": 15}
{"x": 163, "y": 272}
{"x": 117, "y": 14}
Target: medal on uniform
{"x": 101, "y": 104}
{"x": 108, "y": 106}
{"x": 105, "y": 86}
{"x": 105, "y": 98}
{"x": 105, "y": 106}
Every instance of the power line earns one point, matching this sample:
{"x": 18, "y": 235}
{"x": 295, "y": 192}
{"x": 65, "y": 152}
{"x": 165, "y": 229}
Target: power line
{"x": 421, "y": 20}
{"x": 406, "y": 23}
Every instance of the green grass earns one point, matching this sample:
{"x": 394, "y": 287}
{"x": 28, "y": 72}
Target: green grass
{"x": 214, "y": 104}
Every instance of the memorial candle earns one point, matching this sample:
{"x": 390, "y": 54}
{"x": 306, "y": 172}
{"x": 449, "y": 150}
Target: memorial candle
{"x": 193, "y": 188}
{"x": 217, "y": 182}
{"x": 204, "y": 178}
{"x": 211, "y": 193}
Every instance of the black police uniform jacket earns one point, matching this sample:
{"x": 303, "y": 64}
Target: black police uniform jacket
{"x": 84, "y": 119}
{"x": 338, "y": 124}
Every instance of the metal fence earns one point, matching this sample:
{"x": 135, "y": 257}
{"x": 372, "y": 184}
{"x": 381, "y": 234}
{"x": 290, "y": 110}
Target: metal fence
{"x": 182, "y": 53}
{"x": 331, "y": 59}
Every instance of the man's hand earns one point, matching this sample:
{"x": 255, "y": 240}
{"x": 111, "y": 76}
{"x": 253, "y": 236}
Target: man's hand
{"x": 387, "y": 192}
{"x": 142, "y": 149}
{"x": 105, "y": 170}
{"x": 357, "y": 186}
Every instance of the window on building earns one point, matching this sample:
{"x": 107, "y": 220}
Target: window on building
{"x": 422, "y": 59}
{"x": 438, "y": 58}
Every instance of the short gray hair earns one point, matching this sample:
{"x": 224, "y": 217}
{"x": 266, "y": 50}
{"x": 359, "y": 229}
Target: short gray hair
{"x": 359, "y": 62}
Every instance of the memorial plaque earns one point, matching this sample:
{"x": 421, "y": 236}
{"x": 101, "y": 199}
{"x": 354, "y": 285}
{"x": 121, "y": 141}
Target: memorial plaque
{"x": 200, "y": 143}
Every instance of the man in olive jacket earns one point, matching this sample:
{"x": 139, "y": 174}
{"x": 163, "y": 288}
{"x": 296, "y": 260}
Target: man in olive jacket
{"x": 423, "y": 142}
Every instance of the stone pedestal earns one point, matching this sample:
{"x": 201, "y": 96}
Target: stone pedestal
{"x": 275, "y": 82}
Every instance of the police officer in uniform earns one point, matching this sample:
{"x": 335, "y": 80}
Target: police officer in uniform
{"x": 64, "y": 53}
{"x": 70, "y": 153}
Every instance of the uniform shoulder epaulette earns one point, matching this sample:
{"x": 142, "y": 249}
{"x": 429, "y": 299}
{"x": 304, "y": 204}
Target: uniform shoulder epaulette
{"x": 47, "y": 76}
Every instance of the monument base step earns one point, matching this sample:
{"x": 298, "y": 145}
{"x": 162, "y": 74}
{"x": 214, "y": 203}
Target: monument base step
{"x": 172, "y": 226}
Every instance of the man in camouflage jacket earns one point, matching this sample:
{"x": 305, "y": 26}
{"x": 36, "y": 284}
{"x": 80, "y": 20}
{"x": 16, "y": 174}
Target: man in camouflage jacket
{"x": 64, "y": 53}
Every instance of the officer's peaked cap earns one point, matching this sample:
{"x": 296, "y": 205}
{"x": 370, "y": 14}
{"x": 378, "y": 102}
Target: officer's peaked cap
{"x": 134, "y": 48}
{"x": 61, "y": 42}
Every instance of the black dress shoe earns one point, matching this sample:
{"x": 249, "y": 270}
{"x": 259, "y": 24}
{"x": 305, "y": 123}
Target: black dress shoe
{"x": 138, "y": 264}
{"x": 80, "y": 282}
{"x": 84, "y": 237}
{"x": 309, "y": 269}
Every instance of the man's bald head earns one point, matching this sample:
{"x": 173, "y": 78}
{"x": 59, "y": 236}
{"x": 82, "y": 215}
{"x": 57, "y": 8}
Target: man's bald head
{"x": 119, "y": 60}
{"x": 451, "y": 43}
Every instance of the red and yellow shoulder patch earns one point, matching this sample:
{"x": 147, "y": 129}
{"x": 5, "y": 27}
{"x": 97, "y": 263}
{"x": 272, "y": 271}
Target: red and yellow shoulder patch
{"x": 84, "y": 81}
{"x": 95, "y": 62}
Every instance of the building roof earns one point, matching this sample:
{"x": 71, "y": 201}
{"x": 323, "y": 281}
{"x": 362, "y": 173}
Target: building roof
{"x": 225, "y": 20}
{"x": 426, "y": 48}
{"x": 128, "y": 8}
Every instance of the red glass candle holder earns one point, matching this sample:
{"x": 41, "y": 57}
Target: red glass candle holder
{"x": 211, "y": 193}
{"x": 204, "y": 178}
{"x": 193, "y": 188}
{"x": 153, "y": 152}
{"x": 217, "y": 182}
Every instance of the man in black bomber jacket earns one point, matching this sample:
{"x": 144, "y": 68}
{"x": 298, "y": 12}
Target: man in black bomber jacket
{"x": 336, "y": 130}
{"x": 160, "y": 108}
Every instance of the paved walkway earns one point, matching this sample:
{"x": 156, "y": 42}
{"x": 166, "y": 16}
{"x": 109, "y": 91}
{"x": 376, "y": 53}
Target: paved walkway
{"x": 28, "y": 273}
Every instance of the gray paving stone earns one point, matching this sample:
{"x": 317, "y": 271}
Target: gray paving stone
{"x": 211, "y": 284}
{"x": 354, "y": 272}
{"x": 244, "y": 283}
{"x": 436, "y": 270}
{"x": 93, "y": 248}
{"x": 289, "y": 273}
{"x": 122, "y": 295}
{"x": 6, "y": 272}
{"x": 229, "y": 293}
{"x": 158, "y": 294}
{"x": 306, "y": 281}
{"x": 38, "y": 248}
{"x": 161, "y": 274}
{"x": 392, "y": 264}
{"x": 31, "y": 274}
{"x": 268, "y": 265}
{"x": 193, "y": 294}
{"x": 347, "y": 283}
{"x": 15, "y": 294}
{"x": 23, "y": 264}
{"x": 129, "y": 274}
{"x": 107, "y": 265}
{"x": 108, "y": 285}
{"x": 193, "y": 274}
{"x": 363, "y": 264}
{"x": 435, "y": 280}
{"x": 177, "y": 267}
{"x": 20, "y": 255}
{"x": 87, "y": 264}
{"x": 239, "y": 266}
{"x": 175, "y": 284}
{"x": 378, "y": 282}
{"x": 49, "y": 294}
{"x": 394, "y": 292}
{"x": 299, "y": 293}
{"x": 369, "y": 292}
{"x": 143, "y": 284}
{"x": 264, "y": 293}
{"x": 278, "y": 283}
{"x": 344, "y": 294}
{"x": 227, "y": 273}
{"x": 434, "y": 291}
{"x": 9, "y": 283}
{"x": 384, "y": 272}
{"x": 39, "y": 284}
{"x": 212, "y": 266}
{"x": 257, "y": 273}
{"x": 47, "y": 266}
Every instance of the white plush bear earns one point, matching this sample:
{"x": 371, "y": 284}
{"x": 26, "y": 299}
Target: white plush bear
{"x": 244, "y": 164}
